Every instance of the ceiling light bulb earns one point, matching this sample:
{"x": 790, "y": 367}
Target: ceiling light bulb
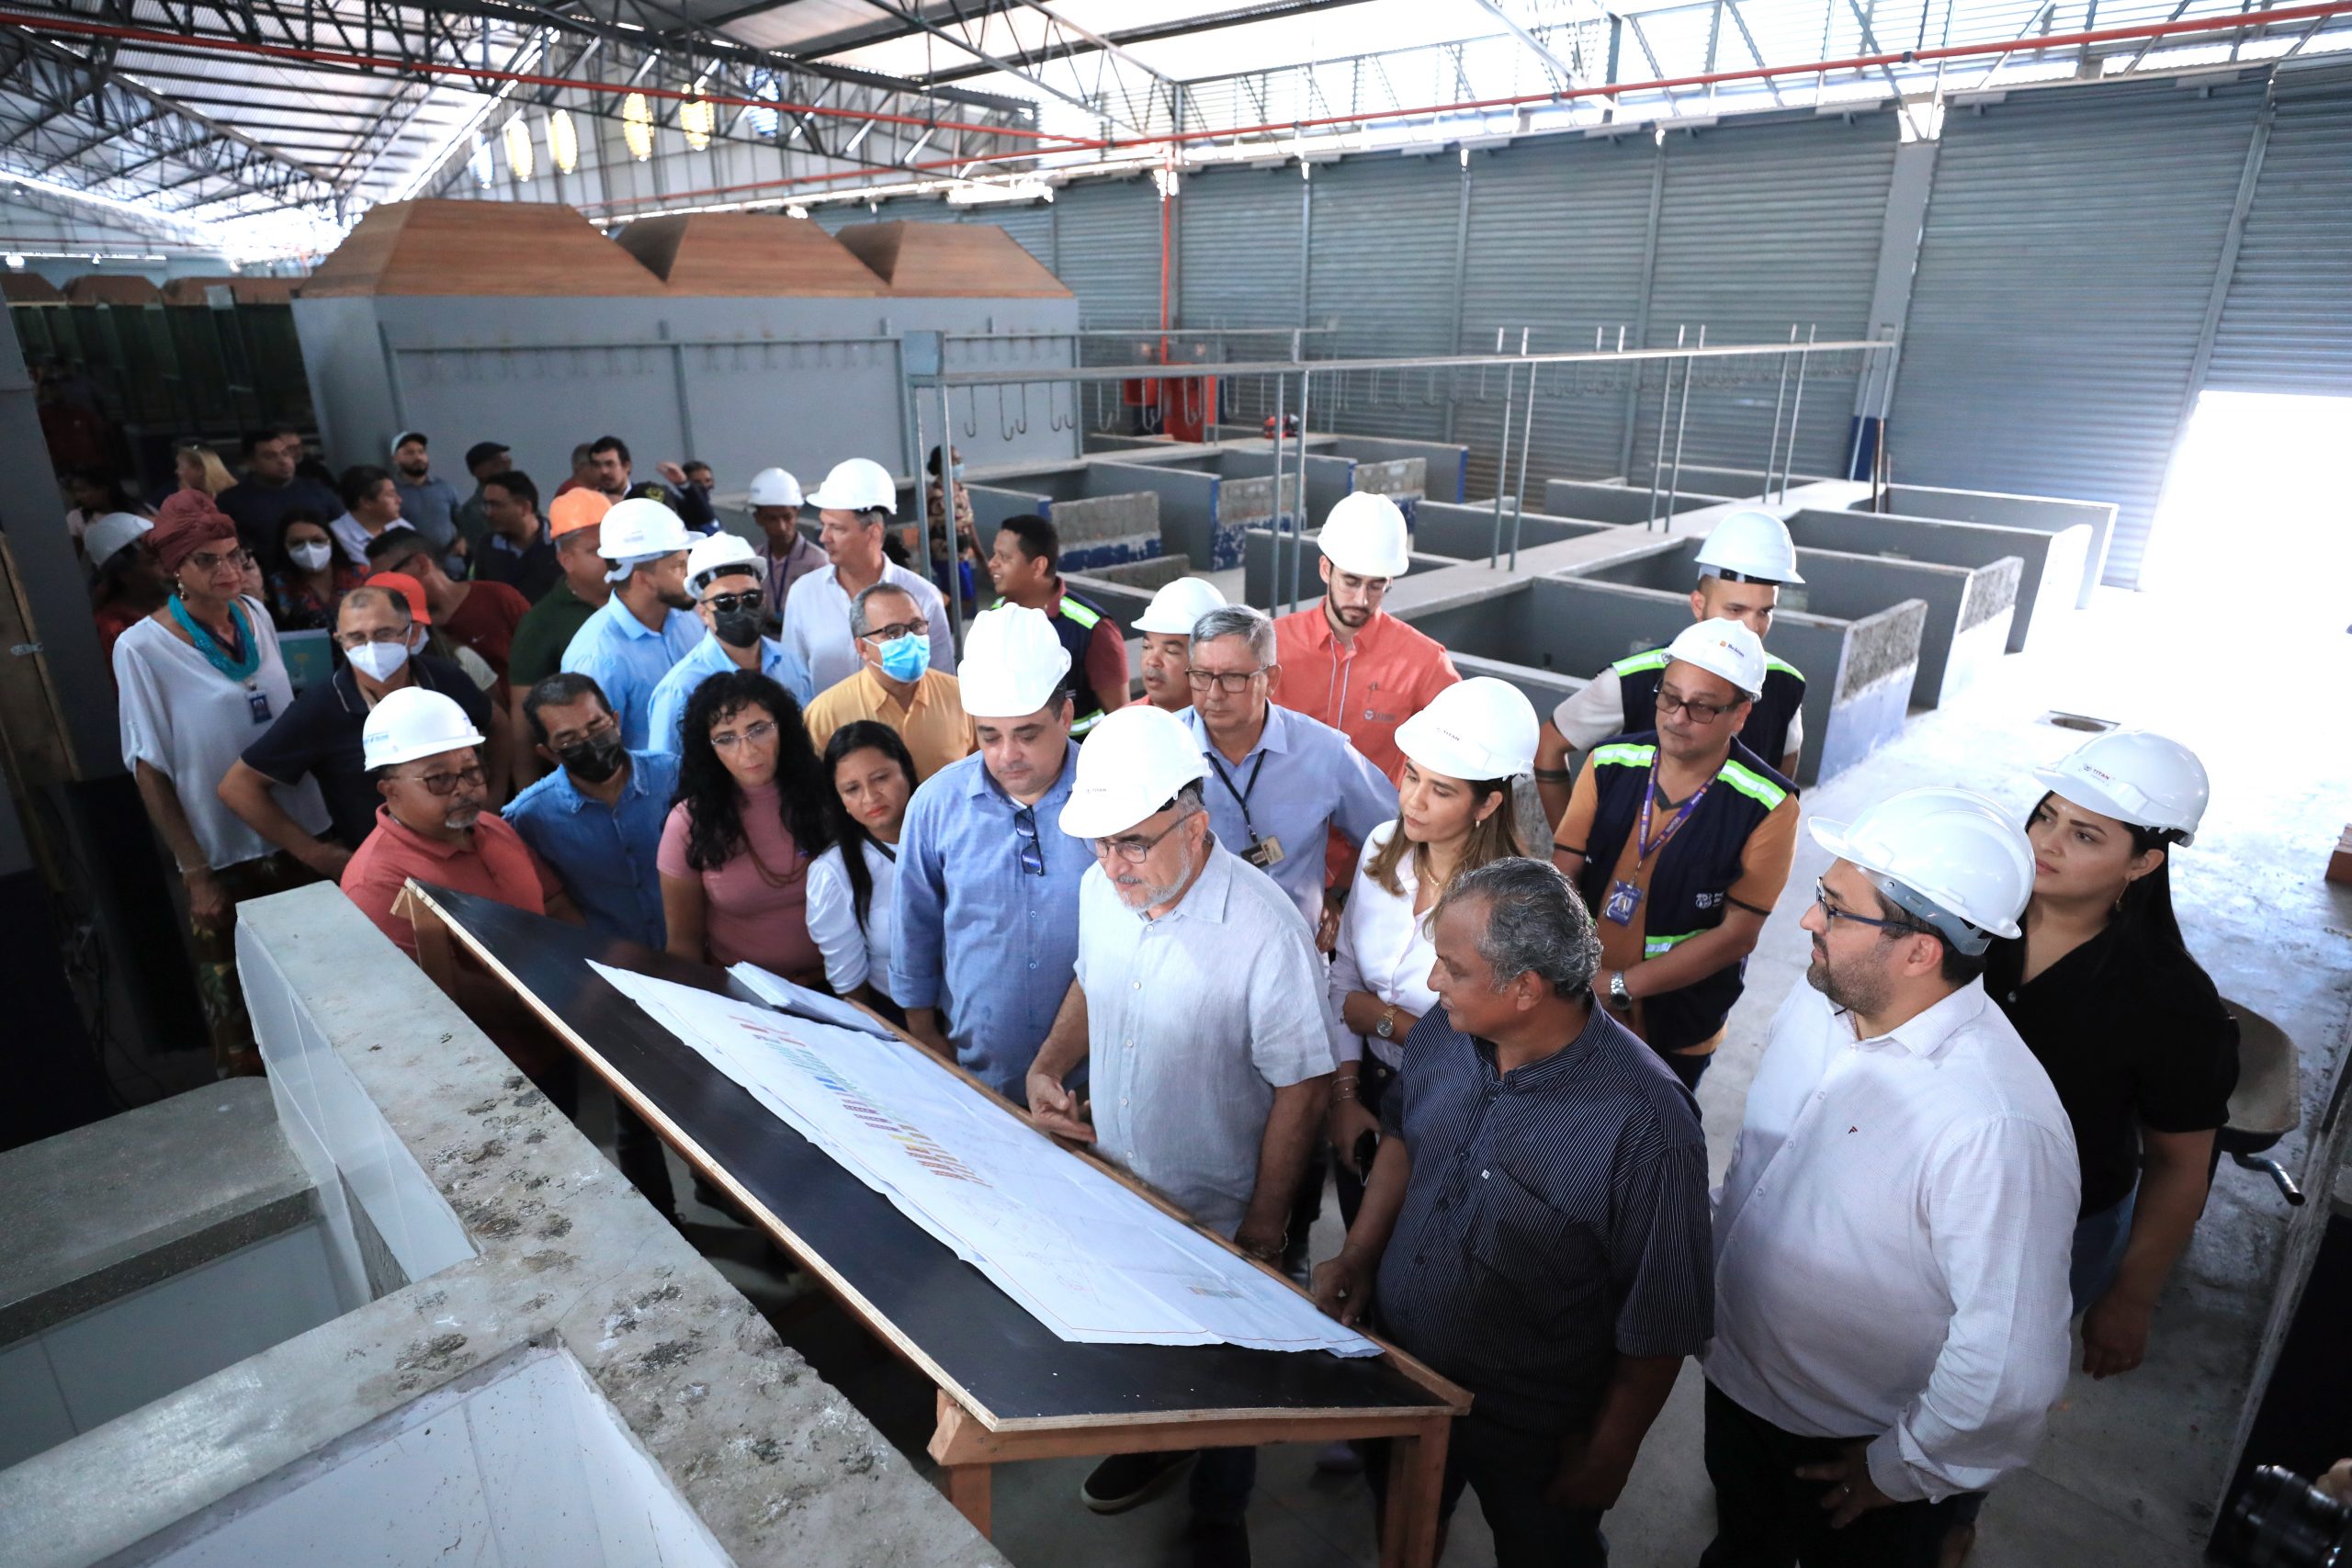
{"x": 696, "y": 118}
{"x": 517, "y": 137}
{"x": 636, "y": 126}
{"x": 563, "y": 141}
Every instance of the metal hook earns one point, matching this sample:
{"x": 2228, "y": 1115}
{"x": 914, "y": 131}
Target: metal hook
{"x": 1023, "y": 429}
{"x": 972, "y": 412}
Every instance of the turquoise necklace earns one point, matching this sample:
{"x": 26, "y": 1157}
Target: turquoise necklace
{"x": 247, "y": 659}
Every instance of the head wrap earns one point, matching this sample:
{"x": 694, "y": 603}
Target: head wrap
{"x": 185, "y": 523}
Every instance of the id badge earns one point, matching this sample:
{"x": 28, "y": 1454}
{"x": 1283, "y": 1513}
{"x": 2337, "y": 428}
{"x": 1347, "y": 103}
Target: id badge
{"x": 1263, "y": 852}
{"x": 258, "y": 703}
{"x": 1623, "y": 900}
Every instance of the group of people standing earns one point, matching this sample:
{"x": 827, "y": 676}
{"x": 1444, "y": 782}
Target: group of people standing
{"x": 1285, "y": 909}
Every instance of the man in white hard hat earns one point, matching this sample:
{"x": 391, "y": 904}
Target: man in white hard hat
{"x": 1347, "y": 661}
{"x": 1746, "y": 560}
{"x": 1165, "y": 628}
{"x": 1680, "y": 840}
{"x": 435, "y": 825}
{"x": 1892, "y": 1239}
{"x": 791, "y": 554}
{"x": 854, "y": 506}
{"x": 725, "y": 574}
{"x": 1198, "y": 1004}
{"x": 648, "y": 624}
{"x": 1025, "y": 564}
{"x": 987, "y": 897}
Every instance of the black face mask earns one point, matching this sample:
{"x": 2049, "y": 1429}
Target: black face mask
{"x": 736, "y": 628}
{"x": 592, "y": 761}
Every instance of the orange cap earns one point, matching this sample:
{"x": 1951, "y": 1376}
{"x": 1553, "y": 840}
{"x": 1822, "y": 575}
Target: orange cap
{"x": 575, "y": 510}
{"x": 408, "y": 588}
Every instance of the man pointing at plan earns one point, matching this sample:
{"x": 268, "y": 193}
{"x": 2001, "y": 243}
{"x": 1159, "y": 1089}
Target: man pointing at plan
{"x": 1198, "y": 1005}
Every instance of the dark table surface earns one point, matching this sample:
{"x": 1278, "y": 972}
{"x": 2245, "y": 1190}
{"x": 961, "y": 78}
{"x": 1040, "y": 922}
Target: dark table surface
{"x": 1014, "y": 1366}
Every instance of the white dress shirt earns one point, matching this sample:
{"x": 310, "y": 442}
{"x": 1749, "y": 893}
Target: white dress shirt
{"x": 1597, "y": 713}
{"x": 1383, "y": 948}
{"x": 1892, "y": 1242}
{"x": 853, "y": 957}
{"x": 816, "y": 615}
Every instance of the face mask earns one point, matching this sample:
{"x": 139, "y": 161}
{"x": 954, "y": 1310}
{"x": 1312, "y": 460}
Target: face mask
{"x": 956, "y": 470}
{"x": 594, "y": 760}
{"x": 736, "y": 628}
{"x": 310, "y": 558}
{"x": 904, "y": 658}
{"x": 378, "y": 661}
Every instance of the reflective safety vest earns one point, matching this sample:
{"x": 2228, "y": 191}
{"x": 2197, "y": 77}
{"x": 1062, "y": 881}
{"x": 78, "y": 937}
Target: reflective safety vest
{"x": 1766, "y": 733}
{"x": 1690, "y": 875}
{"x": 1074, "y": 622}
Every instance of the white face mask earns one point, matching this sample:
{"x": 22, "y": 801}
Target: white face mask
{"x": 310, "y": 558}
{"x": 378, "y": 660}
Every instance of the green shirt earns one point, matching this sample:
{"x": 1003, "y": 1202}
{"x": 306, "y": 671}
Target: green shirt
{"x": 542, "y": 636}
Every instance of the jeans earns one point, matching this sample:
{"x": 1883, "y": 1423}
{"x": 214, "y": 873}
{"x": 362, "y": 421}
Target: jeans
{"x": 1509, "y": 1469}
{"x": 2099, "y": 1243}
{"x": 1768, "y": 1517}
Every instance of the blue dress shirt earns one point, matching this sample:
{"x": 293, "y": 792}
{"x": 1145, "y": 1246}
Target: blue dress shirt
{"x": 1001, "y": 978}
{"x": 603, "y": 854}
{"x": 628, "y": 661}
{"x": 1301, "y": 780}
{"x": 709, "y": 658}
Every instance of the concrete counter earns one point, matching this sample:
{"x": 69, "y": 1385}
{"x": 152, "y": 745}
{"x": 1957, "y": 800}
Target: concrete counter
{"x": 2051, "y": 562}
{"x": 1617, "y": 503}
{"x": 2048, "y": 514}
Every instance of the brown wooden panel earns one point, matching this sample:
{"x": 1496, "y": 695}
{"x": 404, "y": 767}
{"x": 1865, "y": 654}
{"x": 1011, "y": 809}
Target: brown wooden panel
{"x": 28, "y": 289}
{"x": 760, "y": 255}
{"x": 511, "y": 249}
{"x": 99, "y": 289}
{"x": 952, "y": 261}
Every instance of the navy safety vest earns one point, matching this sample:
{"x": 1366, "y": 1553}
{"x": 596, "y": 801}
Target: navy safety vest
{"x": 1075, "y": 623}
{"x": 1766, "y": 733}
{"x": 1694, "y": 870}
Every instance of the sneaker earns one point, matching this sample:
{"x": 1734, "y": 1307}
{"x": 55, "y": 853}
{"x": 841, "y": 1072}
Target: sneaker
{"x": 1123, "y": 1481}
{"x": 1338, "y": 1458}
{"x": 1218, "y": 1543}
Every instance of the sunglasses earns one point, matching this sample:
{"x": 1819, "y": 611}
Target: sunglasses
{"x": 728, "y": 604}
{"x": 1033, "y": 854}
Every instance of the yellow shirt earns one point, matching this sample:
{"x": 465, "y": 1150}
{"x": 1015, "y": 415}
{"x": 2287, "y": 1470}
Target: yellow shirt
{"x": 931, "y": 723}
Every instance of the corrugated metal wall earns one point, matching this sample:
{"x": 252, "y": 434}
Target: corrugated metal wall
{"x": 2071, "y": 243}
{"x": 2286, "y": 326}
{"x": 1380, "y": 269}
{"x": 1240, "y": 244}
{"x": 1108, "y": 241}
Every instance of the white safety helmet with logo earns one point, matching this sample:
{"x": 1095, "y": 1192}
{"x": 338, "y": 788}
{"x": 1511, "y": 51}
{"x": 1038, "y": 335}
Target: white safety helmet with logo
{"x": 1949, "y": 858}
{"x": 1013, "y": 663}
{"x": 111, "y": 533}
{"x": 721, "y": 552}
{"x": 1726, "y": 648}
{"x": 1365, "y": 535}
{"x": 1133, "y": 762}
{"x": 1476, "y": 729}
{"x": 773, "y": 486}
{"x": 2137, "y": 778}
{"x": 413, "y": 723}
{"x": 641, "y": 527}
{"x": 857, "y": 484}
{"x": 1178, "y": 605}
{"x": 1750, "y": 545}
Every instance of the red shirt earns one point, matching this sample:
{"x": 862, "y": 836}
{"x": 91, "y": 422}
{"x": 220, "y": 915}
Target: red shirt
{"x": 497, "y": 865}
{"x": 1366, "y": 690}
{"x": 485, "y": 622}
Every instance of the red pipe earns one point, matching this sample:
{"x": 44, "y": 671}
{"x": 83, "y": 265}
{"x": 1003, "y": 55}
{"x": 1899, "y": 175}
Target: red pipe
{"x": 1855, "y": 63}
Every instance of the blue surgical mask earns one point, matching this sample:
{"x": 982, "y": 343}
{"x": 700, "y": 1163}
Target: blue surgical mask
{"x": 956, "y": 470}
{"x": 904, "y": 658}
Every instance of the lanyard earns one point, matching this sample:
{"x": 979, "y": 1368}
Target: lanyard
{"x": 1241, "y": 796}
{"x": 1649, "y": 846}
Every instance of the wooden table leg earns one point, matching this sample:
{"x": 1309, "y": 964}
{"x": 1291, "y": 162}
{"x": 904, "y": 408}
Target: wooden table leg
{"x": 1416, "y": 1478}
{"x": 958, "y": 1445}
{"x": 968, "y": 1488}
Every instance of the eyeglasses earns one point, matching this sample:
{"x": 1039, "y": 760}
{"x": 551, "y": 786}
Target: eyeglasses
{"x": 1134, "y": 848}
{"x": 1235, "y": 682}
{"x": 447, "y": 784}
{"x": 893, "y": 632}
{"x": 205, "y": 560}
{"x": 753, "y": 734}
{"x": 1701, "y": 713}
{"x": 1832, "y": 914}
{"x": 727, "y": 603}
{"x": 381, "y": 634}
{"x": 1032, "y": 855}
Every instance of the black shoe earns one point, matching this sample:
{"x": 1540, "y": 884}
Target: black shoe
{"x": 1218, "y": 1543}
{"x": 1123, "y": 1481}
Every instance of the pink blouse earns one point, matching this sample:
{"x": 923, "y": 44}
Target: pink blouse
{"x": 745, "y": 919}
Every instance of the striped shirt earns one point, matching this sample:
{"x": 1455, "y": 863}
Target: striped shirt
{"x": 1554, "y": 1220}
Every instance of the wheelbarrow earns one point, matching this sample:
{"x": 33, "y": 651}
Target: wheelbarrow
{"x": 2267, "y": 1105}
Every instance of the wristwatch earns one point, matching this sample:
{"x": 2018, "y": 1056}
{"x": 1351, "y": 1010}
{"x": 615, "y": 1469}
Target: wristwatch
{"x": 1619, "y": 996}
{"x": 1386, "y": 1026}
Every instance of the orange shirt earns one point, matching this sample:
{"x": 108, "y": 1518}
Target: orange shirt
{"x": 1366, "y": 690}
{"x": 496, "y": 865}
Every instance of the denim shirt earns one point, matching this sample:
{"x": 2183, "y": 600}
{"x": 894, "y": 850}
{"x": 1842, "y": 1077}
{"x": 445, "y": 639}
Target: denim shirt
{"x": 603, "y": 855}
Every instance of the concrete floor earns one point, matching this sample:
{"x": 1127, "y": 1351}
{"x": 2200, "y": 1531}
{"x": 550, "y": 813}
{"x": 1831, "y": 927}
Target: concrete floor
{"x": 2133, "y": 1465}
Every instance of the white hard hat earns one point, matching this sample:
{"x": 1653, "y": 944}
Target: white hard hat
{"x": 773, "y": 486}
{"x": 106, "y": 535}
{"x": 721, "y": 552}
{"x": 1751, "y": 546}
{"x": 1134, "y": 761}
{"x": 1475, "y": 730}
{"x": 1948, "y": 857}
{"x": 412, "y": 723}
{"x": 1174, "y": 610}
{"x": 2134, "y": 777}
{"x": 641, "y": 526}
{"x": 1013, "y": 663}
{"x": 1365, "y": 534}
{"x": 1726, "y": 648}
{"x": 857, "y": 484}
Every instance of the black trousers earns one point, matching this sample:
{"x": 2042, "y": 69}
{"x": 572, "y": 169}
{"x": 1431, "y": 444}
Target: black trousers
{"x": 638, "y": 1151}
{"x": 1768, "y": 1516}
{"x": 1509, "y": 1470}
{"x": 1373, "y": 1078}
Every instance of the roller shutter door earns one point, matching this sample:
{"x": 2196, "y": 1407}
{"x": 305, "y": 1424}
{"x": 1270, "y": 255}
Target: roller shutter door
{"x": 1108, "y": 246}
{"x": 2286, "y": 326}
{"x": 1380, "y": 269}
{"x": 1237, "y": 241}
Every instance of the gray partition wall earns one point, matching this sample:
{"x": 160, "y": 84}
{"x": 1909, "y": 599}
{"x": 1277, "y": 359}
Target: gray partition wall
{"x": 2051, "y": 563}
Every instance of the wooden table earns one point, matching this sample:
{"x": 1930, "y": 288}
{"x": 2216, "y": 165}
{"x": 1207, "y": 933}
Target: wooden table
{"x": 1008, "y": 1387}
